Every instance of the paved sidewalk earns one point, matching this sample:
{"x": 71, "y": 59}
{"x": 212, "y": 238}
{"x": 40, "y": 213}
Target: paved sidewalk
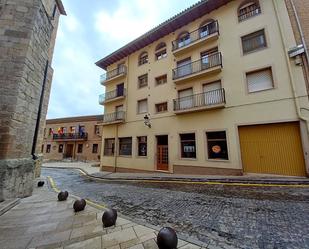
{"x": 95, "y": 172}
{"x": 40, "y": 221}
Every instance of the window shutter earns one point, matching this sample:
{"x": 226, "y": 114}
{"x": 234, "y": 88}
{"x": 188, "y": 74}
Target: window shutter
{"x": 261, "y": 80}
{"x": 212, "y": 86}
{"x": 142, "y": 106}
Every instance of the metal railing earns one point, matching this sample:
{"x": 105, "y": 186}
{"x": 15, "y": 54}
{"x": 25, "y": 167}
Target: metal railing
{"x": 112, "y": 117}
{"x": 196, "y": 35}
{"x": 111, "y": 95}
{"x": 249, "y": 14}
{"x": 113, "y": 73}
{"x": 207, "y": 62}
{"x": 71, "y": 136}
{"x": 210, "y": 98}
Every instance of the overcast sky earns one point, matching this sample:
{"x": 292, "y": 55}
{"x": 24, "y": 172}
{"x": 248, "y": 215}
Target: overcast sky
{"x": 90, "y": 31}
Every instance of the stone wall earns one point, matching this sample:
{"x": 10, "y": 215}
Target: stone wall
{"x": 26, "y": 36}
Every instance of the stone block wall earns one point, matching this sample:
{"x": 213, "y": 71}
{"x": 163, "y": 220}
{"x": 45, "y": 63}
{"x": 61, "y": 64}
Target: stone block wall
{"x": 27, "y": 33}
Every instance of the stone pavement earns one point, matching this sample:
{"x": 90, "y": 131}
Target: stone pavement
{"x": 253, "y": 178}
{"x": 40, "y": 221}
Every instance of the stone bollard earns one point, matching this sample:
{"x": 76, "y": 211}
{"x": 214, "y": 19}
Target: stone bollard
{"x": 109, "y": 217}
{"x": 41, "y": 183}
{"x": 167, "y": 238}
{"x": 79, "y": 205}
{"x": 62, "y": 196}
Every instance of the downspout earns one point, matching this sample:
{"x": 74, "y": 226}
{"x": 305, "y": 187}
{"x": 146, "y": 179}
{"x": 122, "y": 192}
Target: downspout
{"x": 289, "y": 66}
{"x": 37, "y": 125}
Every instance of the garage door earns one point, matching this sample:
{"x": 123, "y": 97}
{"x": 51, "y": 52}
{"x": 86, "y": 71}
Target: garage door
{"x": 272, "y": 149}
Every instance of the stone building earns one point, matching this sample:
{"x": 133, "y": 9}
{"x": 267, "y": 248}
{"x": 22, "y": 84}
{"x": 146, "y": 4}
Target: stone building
{"x": 216, "y": 89}
{"x": 28, "y": 30}
{"x": 74, "y": 138}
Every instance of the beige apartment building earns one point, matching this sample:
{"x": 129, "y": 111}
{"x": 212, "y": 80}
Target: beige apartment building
{"x": 217, "y": 89}
{"x": 75, "y": 138}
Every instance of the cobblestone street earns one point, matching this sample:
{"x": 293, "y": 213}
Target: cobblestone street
{"x": 221, "y": 216}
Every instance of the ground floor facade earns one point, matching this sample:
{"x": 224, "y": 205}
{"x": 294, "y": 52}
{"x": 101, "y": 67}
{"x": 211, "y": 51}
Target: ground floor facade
{"x": 263, "y": 138}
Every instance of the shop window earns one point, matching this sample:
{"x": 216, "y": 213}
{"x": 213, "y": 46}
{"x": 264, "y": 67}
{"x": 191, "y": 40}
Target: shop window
{"x": 109, "y": 146}
{"x": 217, "y": 145}
{"x": 125, "y": 146}
{"x": 188, "y": 146}
{"x": 142, "y": 146}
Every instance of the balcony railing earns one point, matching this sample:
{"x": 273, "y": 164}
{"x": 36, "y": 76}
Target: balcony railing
{"x": 201, "y": 33}
{"x": 205, "y": 99}
{"x": 71, "y": 136}
{"x": 114, "y": 117}
{"x": 111, "y": 95}
{"x": 249, "y": 14}
{"x": 205, "y": 63}
{"x": 121, "y": 70}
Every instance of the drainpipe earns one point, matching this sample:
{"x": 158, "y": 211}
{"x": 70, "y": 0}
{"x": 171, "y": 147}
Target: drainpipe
{"x": 289, "y": 66}
{"x": 37, "y": 125}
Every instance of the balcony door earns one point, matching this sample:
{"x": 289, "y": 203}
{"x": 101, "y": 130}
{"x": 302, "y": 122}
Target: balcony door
{"x": 207, "y": 58}
{"x": 184, "y": 67}
{"x": 119, "y": 112}
{"x": 120, "y": 90}
{"x": 185, "y": 99}
{"x": 212, "y": 93}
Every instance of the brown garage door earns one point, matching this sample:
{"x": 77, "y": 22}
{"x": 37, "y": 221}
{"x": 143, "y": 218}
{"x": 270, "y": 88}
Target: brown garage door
{"x": 272, "y": 149}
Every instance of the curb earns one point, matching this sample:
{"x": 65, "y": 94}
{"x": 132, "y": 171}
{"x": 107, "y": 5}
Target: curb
{"x": 213, "y": 181}
{"x": 9, "y": 205}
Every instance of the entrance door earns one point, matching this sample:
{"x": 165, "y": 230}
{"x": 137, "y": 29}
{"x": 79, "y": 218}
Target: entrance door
{"x": 120, "y": 89}
{"x": 162, "y": 152}
{"x": 272, "y": 149}
{"x": 69, "y": 150}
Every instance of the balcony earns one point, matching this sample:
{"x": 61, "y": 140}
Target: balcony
{"x": 207, "y": 33}
{"x": 207, "y": 65}
{"x": 203, "y": 101}
{"x": 114, "y": 118}
{"x": 71, "y": 136}
{"x": 112, "y": 75}
{"x": 112, "y": 96}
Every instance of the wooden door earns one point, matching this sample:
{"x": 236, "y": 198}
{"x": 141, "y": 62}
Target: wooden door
{"x": 69, "y": 150}
{"x": 162, "y": 157}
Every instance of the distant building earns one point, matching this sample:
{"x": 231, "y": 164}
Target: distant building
{"x": 217, "y": 89}
{"x": 75, "y": 138}
{"x": 28, "y": 31}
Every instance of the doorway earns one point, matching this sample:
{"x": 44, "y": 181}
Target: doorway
{"x": 162, "y": 152}
{"x": 69, "y": 151}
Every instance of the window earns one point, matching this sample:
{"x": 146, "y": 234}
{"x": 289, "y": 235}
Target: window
{"x": 260, "y": 80}
{"x": 184, "y": 39}
{"x": 184, "y": 68}
{"x": 48, "y": 148}
{"x": 97, "y": 130}
{"x": 143, "y": 58}
{"x": 217, "y": 146}
{"x": 60, "y": 148}
{"x": 207, "y": 28}
{"x": 42, "y": 148}
{"x": 212, "y": 93}
{"x": 162, "y": 107}
{"x": 248, "y": 9}
{"x": 142, "y": 106}
{"x": 161, "y": 79}
{"x": 188, "y": 147}
{"x": 95, "y": 148}
{"x": 185, "y": 98}
{"x": 253, "y": 42}
{"x": 143, "y": 80}
{"x": 109, "y": 146}
{"x": 125, "y": 146}
{"x": 161, "y": 51}
{"x": 79, "y": 148}
{"x": 142, "y": 146}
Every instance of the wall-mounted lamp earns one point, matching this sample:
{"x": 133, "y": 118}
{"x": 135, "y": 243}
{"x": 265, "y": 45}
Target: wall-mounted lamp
{"x": 147, "y": 121}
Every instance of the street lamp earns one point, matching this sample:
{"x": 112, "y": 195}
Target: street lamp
{"x": 147, "y": 121}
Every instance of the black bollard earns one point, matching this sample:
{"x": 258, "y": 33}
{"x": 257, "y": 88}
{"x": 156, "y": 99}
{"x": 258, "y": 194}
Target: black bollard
{"x": 79, "y": 205}
{"x": 62, "y": 196}
{"x": 167, "y": 238}
{"x": 41, "y": 183}
{"x": 109, "y": 217}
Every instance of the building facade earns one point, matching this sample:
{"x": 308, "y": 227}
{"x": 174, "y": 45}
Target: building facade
{"x": 213, "y": 90}
{"x": 27, "y": 37}
{"x": 74, "y": 138}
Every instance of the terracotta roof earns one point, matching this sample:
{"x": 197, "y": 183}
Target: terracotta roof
{"x": 61, "y": 7}
{"x": 183, "y": 18}
{"x": 75, "y": 119}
